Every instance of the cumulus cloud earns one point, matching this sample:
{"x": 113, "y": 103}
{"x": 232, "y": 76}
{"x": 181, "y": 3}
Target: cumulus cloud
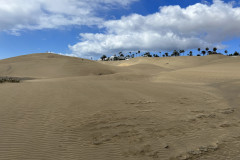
{"x": 16, "y": 15}
{"x": 173, "y": 27}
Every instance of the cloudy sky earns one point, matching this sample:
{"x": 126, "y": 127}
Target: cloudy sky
{"x": 90, "y": 28}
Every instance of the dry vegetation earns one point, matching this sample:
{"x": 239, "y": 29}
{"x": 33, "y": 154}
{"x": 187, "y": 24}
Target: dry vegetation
{"x": 9, "y": 79}
{"x": 176, "y": 108}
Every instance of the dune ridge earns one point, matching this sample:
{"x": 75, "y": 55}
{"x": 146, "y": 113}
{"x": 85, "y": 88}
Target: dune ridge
{"x": 49, "y": 65}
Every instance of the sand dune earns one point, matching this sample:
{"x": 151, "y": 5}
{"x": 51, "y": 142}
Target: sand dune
{"x": 144, "y": 108}
{"x": 51, "y": 66}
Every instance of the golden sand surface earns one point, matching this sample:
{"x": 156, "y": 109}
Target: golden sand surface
{"x": 65, "y": 108}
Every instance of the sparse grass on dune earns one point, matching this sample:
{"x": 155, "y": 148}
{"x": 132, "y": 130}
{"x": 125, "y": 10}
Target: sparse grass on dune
{"x": 9, "y": 79}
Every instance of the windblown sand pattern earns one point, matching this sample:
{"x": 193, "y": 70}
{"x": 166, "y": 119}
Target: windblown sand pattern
{"x": 176, "y": 108}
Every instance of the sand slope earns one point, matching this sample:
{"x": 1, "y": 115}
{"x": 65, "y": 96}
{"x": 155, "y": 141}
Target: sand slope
{"x": 47, "y": 65}
{"x": 144, "y": 108}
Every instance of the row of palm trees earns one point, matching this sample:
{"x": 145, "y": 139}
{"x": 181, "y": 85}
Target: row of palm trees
{"x": 166, "y": 54}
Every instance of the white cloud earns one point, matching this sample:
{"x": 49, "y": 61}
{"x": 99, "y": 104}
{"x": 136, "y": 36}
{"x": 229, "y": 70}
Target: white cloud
{"x": 16, "y": 15}
{"x": 173, "y": 27}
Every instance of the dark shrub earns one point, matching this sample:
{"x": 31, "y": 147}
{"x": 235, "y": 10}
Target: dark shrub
{"x": 9, "y": 79}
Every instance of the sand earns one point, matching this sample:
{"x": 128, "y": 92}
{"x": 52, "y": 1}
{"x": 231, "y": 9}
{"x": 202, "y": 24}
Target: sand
{"x": 141, "y": 109}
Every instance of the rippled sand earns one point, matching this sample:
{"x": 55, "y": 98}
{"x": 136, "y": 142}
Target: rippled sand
{"x": 142, "y": 109}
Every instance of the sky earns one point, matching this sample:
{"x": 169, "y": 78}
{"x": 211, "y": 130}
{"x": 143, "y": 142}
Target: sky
{"x": 91, "y": 28}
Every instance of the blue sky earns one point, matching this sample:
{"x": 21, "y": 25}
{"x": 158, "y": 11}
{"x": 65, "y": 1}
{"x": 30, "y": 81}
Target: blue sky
{"x": 90, "y": 28}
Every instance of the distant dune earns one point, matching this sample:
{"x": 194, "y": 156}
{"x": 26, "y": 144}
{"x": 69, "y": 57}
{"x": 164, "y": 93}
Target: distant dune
{"x": 66, "y": 108}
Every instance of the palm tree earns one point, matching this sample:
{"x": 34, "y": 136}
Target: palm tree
{"x": 103, "y": 57}
{"x": 203, "y": 53}
{"x": 147, "y": 54}
{"x": 210, "y": 52}
{"x": 190, "y": 53}
{"x": 166, "y": 54}
{"x": 119, "y": 53}
{"x": 226, "y": 52}
{"x": 207, "y": 49}
{"x": 139, "y": 52}
{"x": 160, "y": 54}
{"x": 175, "y": 53}
{"x": 236, "y": 53}
{"x": 214, "y": 50}
{"x": 199, "y": 49}
{"x": 182, "y": 51}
